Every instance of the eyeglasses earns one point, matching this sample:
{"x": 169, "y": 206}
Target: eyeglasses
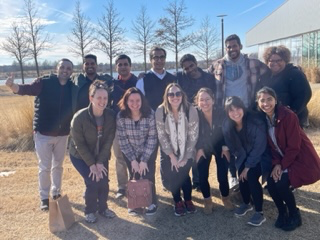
{"x": 172, "y": 94}
{"x": 157, "y": 58}
{"x": 275, "y": 61}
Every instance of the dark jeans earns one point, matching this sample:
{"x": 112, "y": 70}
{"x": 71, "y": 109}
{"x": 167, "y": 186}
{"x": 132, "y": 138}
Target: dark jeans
{"x": 164, "y": 181}
{"x": 222, "y": 174}
{"x": 177, "y": 180}
{"x": 150, "y": 175}
{"x": 232, "y": 166}
{"x": 281, "y": 194}
{"x": 96, "y": 194}
{"x": 195, "y": 174}
{"x": 252, "y": 187}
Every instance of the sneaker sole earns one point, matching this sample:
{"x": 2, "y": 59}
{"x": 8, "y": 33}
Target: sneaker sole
{"x": 179, "y": 215}
{"x": 257, "y": 224}
{"x": 240, "y": 215}
{"x": 192, "y": 212}
{"x": 150, "y": 214}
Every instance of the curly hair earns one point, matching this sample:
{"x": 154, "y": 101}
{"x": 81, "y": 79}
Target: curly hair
{"x": 281, "y": 51}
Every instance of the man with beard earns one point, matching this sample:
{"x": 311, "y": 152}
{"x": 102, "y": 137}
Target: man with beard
{"x": 236, "y": 75}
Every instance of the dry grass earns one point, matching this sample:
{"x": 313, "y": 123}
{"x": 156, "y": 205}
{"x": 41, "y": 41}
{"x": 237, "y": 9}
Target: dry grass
{"x": 314, "y": 107}
{"x": 22, "y": 219}
{"x": 313, "y": 74}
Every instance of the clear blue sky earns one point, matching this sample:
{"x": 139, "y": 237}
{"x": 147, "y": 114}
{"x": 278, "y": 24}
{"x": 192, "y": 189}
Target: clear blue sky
{"x": 57, "y": 15}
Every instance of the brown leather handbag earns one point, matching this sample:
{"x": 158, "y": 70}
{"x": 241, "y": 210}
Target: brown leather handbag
{"x": 139, "y": 193}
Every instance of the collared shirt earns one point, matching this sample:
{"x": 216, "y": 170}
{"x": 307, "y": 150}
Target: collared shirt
{"x": 137, "y": 140}
{"x": 140, "y": 83}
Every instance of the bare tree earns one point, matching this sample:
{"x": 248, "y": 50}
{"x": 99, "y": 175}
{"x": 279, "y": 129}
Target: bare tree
{"x": 143, "y": 29}
{"x": 206, "y": 41}
{"x": 82, "y": 35}
{"x": 173, "y": 26}
{"x": 17, "y": 45}
{"x": 38, "y": 39}
{"x": 111, "y": 40}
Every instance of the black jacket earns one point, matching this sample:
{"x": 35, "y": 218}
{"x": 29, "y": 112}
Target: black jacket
{"x": 292, "y": 89}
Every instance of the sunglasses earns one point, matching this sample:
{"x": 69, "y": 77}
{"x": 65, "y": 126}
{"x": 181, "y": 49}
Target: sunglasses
{"x": 171, "y": 94}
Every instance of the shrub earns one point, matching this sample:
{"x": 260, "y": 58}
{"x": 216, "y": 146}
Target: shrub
{"x": 312, "y": 74}
{"x": 314, "y": 109}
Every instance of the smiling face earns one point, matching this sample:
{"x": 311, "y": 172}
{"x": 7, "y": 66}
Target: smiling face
{"x": 90, "y": 66}
{"x": 134, "y": 102}
{"x": 267, "y": 103}
{"x": 233, "y": 49}
{"x": 64, "y": 70}
{"x": 236, "y": 114}
{"x": 123, "y": 67}
{"x": 276, "y": 64}
{"x": 174, "y": 97}
{"x": 205, "y": 102}
{"x": 191, "y": 69}
{"x": 99, "y": 100}
{"x": 158, "y": 61}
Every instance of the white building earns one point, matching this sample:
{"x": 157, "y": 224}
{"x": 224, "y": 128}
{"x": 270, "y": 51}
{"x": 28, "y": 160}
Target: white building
{"x": 296, "y": 25}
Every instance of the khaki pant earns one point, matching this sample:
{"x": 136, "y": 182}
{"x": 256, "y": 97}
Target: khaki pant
{"x": 121, "y": 165}
{"x": 50, "y": 152}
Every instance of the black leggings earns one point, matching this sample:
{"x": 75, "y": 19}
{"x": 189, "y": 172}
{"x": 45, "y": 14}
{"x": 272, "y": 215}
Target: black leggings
{"x": 281, "y": 194}
{"x": 222, "y": 174}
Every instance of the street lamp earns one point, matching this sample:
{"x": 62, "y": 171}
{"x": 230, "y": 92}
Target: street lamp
{"x": 222, "y": 30}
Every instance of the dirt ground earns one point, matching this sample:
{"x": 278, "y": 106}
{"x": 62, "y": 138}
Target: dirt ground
{"x": 22, "y": 219}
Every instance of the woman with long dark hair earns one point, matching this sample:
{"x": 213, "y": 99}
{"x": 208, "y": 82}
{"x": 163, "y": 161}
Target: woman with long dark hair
{"x": 294, "y": 159}
{"x": 211, "y": 142}
{"x": 137, "y": 133}
{"x": 245, "y": 135}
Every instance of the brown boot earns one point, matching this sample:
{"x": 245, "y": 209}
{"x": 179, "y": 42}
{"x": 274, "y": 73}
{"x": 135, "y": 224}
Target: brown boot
{"x": 227, "y": 203}
{"x": 208, "y": 205}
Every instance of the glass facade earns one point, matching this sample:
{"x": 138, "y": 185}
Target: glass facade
{"x": 305, "y": 48}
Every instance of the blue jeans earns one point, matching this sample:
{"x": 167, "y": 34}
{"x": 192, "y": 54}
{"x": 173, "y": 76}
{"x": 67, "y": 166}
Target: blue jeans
{"x": 96, "y": 194}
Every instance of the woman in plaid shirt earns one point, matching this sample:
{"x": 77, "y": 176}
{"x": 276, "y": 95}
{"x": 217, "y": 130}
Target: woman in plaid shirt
{"x": 136, "y": 129}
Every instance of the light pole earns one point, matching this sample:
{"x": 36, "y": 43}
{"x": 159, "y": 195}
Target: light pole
{"x": 222, "y": 33}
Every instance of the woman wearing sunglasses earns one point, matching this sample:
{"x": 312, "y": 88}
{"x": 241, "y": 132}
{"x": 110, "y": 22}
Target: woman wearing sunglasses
{"x": 92, "y": 131}
{"x": 178, "y": 126}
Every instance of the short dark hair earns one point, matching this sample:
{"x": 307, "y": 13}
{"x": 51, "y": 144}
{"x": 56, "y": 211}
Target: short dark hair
{"x": 123, "y": 56}
{"x": 281, "y": 51}
{"x": 235, "y": 102}
{"x": 187, "y": 57}
{"x": 156, "y": 48}
{"x": 94, "y": 57}
{"x": 232, "y": 37}
{"x": 65, "y": 60}
{"x": 145, "y": 109}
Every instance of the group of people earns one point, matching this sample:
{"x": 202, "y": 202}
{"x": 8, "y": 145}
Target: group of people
{"x": 248, "y": 114}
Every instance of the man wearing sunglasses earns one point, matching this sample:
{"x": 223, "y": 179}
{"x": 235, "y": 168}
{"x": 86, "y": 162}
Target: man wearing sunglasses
{"x": 191, "y": 79}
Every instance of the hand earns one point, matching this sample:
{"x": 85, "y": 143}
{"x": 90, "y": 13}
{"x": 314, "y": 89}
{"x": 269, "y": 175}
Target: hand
{"x": 94, "y": 173}
{"x": 182, "y": 163}
{"x": 200, "y": 153}
{"x": 243, "y": 175}
{"x": 276, "y": 173}
{"x": 174, "y": 162}
{"x": 226, "y": 154}
{"x": 101, "y": 170}
{"x": 141, "y": 75}
{"x": 37, "y": 80}
{"x": 143, "y": 168}
{"x": 135, "y": 167}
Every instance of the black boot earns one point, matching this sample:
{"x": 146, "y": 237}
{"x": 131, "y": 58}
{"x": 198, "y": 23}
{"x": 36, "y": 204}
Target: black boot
{"x": 282, "y": 219}
{"x": 293, "y": 222}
